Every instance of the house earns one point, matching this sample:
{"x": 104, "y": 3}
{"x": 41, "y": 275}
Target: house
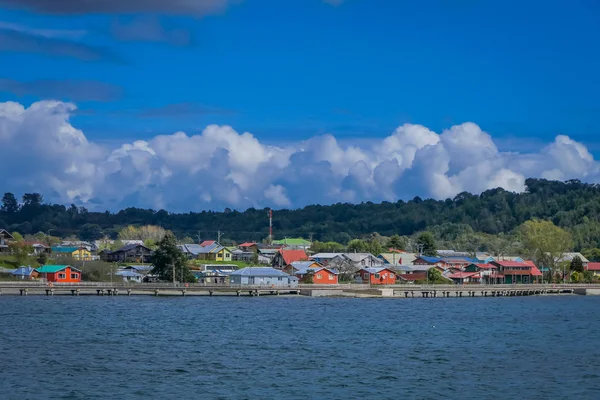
{"x": 568, "y": 258}
{"x": 295, "y": 266}
{"x": 91, "y": 247}
{"x": 190, "y": 250}
{"x": 262, "y": 276}
{"x": 249, "y": 247}
{"x": 320, "y": 275}
{"x": 486, "y": 271}
{"x": 412, "y": 277}
{"x": 324, "y": 258}
{"x": 39, "y": 248}
{"x": 376, "y": 276}
{"x": 465, "y": 277}
{"x": 213, "y": 251}
{"x": 594, "y": 267}
{"x": 129, "y": 275}
{"x": 60, "y": 273}
{"x": 140, "y": 269}
{"x": 297, "y": 243}
{"x": 457, "y": 262}
{"x": 5, "y": 239}
{"x": 25, "y": 273}
{"x": 131, "y": 253}
{"x": 510, "y": 272}
{"x": 207, "y": 243}
{"x": 484, "y": 258}
{"x": 285, "y": 257}
{"x": 428, "y": 260}
{"x": 77, "y": 253}
{"x": 509, "y": 258}
{"x": 397, "y": 258}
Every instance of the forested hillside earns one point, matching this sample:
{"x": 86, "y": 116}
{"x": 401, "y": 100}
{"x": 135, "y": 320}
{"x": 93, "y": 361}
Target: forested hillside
{"x": 572, "y": 205}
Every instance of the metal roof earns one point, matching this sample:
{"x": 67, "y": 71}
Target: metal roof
{"x": 53, "y": 268}
{"x": 23, "y": 271}
{"x": 128, "y": 273}
{"x": 260, "y": 271}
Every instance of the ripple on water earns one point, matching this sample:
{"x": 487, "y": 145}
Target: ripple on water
{"x": 298, "y": 348}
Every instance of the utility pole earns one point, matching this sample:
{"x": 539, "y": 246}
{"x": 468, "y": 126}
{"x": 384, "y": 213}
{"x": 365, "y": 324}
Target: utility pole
{"x": 173, "y": 265}
{"x": 219, "y": 234}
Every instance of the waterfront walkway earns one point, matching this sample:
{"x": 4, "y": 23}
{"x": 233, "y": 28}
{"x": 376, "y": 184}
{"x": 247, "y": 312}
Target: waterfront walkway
{"x": 26, "y": 288}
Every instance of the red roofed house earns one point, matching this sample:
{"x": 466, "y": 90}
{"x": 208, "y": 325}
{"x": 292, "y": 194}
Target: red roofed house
{"x": 376, "y": 276}
{"x": 517, "y": 272}
{"x": 594, "y": 267}
{"x": 284, "y": 257}
{"x": 207, "y": 243}
{"x": 249, "y": 247}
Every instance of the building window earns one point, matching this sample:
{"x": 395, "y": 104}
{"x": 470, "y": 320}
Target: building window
{"x": 62, "y": 276}
{"x": 363, "y": 262}
{"x": 74, "y": 276}
{"x": 330, "y": 277}
{"x": 377, "y": 276}
{"x": 391, "y": 276}
{"x": 318, "y": 276}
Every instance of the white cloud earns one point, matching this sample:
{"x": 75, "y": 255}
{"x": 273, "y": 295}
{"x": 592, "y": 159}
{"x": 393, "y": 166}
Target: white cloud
{"x": 223, "y": 168}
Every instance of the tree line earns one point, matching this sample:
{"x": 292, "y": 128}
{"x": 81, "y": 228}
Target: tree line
{"x": 486, "y": 221}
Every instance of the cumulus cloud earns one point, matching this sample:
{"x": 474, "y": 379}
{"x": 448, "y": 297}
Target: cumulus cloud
{"x": 224, "y": 168}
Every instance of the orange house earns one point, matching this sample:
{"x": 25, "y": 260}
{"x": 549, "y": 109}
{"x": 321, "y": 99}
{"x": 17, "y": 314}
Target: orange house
{"x": 320, "y": 275}
{"x": 60, "y": 273}
{"x": 376, "y": 276}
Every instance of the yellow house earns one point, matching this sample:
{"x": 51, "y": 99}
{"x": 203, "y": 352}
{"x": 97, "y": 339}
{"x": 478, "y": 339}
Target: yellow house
{"x": 221, "y": 254}
{"x": 77, "y": 253}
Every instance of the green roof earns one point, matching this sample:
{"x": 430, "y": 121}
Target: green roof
{"x": 293, "y": 242}
{"x": 59, "y": 249}
{"x": 50, "y": 269}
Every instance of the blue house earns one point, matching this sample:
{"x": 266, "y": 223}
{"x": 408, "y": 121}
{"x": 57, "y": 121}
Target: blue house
{"x": 25, "y": 273}
{"x": 262, "y": 276}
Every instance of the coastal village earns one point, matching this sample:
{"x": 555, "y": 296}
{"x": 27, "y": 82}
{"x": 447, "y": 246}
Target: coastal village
{"x": 282, "y": 263}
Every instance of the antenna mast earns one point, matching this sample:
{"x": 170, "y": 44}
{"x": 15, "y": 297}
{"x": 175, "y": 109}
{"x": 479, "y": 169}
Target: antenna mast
{"x": 270, "y": 226}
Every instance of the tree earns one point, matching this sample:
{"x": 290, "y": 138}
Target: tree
{"x": 309, "y": 277}
{"x": 576, "y": 264}
{"x": 326, "y": 247}
{"x": 592, "y": 254}
{"x": 32, "y": 200}
{"x": 357, "y": 246}
{"x": 426, "y": 244}
{"x": 576, "y": 276}
{"x": 396, "y": 242}
{"x": 186, "y": 240}
{"x": 588, "y": 276}
{"x": 434, "y": 275}
{"x": 168, "y": 259}
{"x": 90, "y": 232}
{"x": 20, "y": 251}
{"x": 17, "y": 237}
{"x": 546, "y": 243}
{"x": 9, "y": 203}
{"x": 152, "y": 232}
{"x": 42, "y": 259}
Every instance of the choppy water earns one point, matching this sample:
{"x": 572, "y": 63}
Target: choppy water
{"x": 299, "y": 348}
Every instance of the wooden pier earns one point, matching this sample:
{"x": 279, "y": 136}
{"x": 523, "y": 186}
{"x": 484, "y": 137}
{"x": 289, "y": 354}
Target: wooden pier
{"x": 342, "y": 290}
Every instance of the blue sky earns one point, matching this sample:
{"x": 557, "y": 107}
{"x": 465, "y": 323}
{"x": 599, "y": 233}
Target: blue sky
{"x": 289, "y": 70}
{"x": 294, "y": 70}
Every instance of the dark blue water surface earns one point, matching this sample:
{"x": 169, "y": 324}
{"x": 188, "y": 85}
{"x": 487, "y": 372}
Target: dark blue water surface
{"x": 299, "y": 348}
